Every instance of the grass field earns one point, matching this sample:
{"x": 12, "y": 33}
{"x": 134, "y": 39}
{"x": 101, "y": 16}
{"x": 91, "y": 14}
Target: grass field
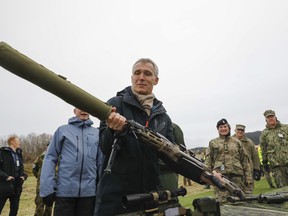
{"x": 196, "y": 191}
{"x": 27, "y": 205}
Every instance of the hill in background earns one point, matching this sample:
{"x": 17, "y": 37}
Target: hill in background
{"x": 254, "y": 136}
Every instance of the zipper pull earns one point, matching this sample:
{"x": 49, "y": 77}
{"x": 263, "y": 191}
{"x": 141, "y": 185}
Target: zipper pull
{"x": 147, "y": 123}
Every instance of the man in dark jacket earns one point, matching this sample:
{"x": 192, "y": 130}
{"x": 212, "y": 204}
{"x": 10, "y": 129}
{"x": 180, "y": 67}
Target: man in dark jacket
{"x": 11, "y": 171}
{"x": 136, "y": 168}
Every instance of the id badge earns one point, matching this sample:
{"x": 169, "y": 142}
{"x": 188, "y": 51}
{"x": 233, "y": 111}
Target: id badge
{"x": 17, "y": 163}
{"x": 222, "y": 168}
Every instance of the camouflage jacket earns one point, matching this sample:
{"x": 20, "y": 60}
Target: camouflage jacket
{"x": 36, "y": 169}
{"x": 274, "y": 145}
{"x": 250, "y": 149}
{"x": 228, "y": 156}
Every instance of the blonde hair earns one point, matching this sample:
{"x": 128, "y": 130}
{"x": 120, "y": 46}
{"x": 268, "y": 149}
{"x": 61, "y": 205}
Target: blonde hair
{"x": 11, "y": 139}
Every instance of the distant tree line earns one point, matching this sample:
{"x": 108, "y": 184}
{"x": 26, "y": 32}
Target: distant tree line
{"x": 32, "y": 145}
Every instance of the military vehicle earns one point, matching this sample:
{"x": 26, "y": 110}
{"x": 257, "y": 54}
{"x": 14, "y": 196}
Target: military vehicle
{"x": 272, "y": 203}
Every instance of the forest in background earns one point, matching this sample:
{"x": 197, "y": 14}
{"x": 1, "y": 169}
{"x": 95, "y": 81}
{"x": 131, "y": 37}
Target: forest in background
{"x": 33, "y": 145}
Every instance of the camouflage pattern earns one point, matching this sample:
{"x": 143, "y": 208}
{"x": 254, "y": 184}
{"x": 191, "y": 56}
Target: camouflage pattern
{"x": 266, "y": 173}
{"x": 274, "y": 146}
{"x": 269, "y": 179}
{"x": 168, "y": 178}
{"x": 222, "y": 195}
{"x": 280, "y": 175}
{"x": 41, "y": 209}
{"x": 252, "y": 153}
{"x": 254, "y": 208}
{"x": 228, "y": 156}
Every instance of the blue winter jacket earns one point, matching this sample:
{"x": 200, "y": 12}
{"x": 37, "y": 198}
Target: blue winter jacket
{"x": 75, "y": 148}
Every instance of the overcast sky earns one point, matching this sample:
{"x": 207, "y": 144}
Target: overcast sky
{"x": 216, "y": 59}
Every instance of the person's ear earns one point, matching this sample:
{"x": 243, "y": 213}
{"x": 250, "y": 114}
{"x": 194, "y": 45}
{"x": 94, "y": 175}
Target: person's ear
{"x": 156, "y": 81}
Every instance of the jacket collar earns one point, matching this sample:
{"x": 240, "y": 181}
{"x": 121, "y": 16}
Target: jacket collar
{"x": 76, "y": 121}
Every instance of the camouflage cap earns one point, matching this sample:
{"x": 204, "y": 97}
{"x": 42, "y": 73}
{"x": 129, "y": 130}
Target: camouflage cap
{"x": 240, "y": 127}
{"x": 269, "y": 113}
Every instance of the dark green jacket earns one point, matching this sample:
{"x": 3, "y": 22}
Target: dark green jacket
{"x": 135, "y": 169}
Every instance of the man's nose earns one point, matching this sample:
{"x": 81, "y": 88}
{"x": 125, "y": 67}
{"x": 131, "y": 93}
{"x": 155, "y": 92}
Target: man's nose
{"x": 142, "y": 76}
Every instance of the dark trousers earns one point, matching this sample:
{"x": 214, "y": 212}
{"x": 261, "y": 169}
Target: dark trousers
{"x": 14, "y": 204}
{"x": 70, "y": 206}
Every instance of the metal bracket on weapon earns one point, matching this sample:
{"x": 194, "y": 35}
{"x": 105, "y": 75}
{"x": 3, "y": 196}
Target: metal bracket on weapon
{"x": 115, "y": 148}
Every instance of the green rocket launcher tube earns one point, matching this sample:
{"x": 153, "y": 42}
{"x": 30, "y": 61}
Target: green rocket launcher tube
{"x": 24, "y": 67}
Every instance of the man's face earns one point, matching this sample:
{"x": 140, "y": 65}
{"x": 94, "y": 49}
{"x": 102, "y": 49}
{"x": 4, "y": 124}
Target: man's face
{"x": 271, "y": 120}
{"x": 223, "y": 130}
{"x": 143, "y": 78}
{"x": 15, "y": 144}
{"x": 239, "y": 133}
{"x": 81, "y": 114}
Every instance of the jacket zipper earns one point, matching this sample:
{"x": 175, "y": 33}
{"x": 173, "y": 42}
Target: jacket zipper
{"x": 77, "y": 147}
{"x": 82, "y": 162}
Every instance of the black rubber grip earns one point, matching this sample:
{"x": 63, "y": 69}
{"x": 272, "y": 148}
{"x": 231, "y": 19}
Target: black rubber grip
{"x": 217, "y": 183}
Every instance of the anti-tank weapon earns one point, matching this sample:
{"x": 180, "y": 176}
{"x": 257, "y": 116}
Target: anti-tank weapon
{"x": 26, "y": 68}
{"x": 179, "y": 161}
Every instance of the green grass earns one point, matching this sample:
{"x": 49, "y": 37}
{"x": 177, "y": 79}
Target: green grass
{"x": 186, "y": 201}
{"x": 27, "y": 205}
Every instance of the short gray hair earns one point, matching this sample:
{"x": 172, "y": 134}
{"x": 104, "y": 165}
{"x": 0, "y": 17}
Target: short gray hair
{"x": 147, "y": 60}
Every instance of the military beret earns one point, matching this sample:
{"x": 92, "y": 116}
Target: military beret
{"x": 221, "y": 122}
{"x": 240, "y": 127}
{"x": 269, "y": 113}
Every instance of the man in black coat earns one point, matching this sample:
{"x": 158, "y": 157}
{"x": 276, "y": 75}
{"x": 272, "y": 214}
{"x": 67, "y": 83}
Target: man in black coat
{"x": 136, "y": 168}
{"x": 11, "y": 174}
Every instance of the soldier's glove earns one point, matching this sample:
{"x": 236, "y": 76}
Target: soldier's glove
{"x": 49, "y": 200}
{"x": 266, "y": 167}
{"x": 256, "y": 175}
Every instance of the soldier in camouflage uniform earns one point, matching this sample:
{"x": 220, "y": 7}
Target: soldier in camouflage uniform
{"x": 274, "y": 146}
{"x": 266, "y": 173}
{"x": 41, "y": 208}
{"x": 250, "y": 149}
{"x": 228, "y": 156}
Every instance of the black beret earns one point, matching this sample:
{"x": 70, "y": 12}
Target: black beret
{"x": 221, "y": 122}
